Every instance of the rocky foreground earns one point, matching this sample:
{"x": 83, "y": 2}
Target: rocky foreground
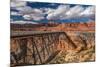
{"x": 83, "y": 53}
{"x": 87, "y": 55}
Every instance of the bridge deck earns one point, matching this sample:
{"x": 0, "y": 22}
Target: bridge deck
{"x": 29, "y": 33}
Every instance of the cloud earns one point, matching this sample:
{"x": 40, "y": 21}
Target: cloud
{"x": 74, "y": 12}
{"x": 36, "y": 14}
{"x": 48, "y": 10}
{"x": 89, "y": 11}
{"x": 27, "y": 12}
{"x": 62, "y": 12}
{"x": 15, "y": 3}
{"x": 65, "y": 12}
{"x": 24, "y": 9}
{"x": 15, "y": 13}
{"x": 27, "y": 17}
{"x": 23, "y": 22}
{"x": 57, "y": 13}
{"x": 36, "y": 17}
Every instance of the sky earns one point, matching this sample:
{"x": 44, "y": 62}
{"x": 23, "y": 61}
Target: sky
{"x": 40, "y": 12}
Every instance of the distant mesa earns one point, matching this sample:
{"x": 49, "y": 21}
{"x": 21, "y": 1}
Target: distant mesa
{"x": 52, "y": 26}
